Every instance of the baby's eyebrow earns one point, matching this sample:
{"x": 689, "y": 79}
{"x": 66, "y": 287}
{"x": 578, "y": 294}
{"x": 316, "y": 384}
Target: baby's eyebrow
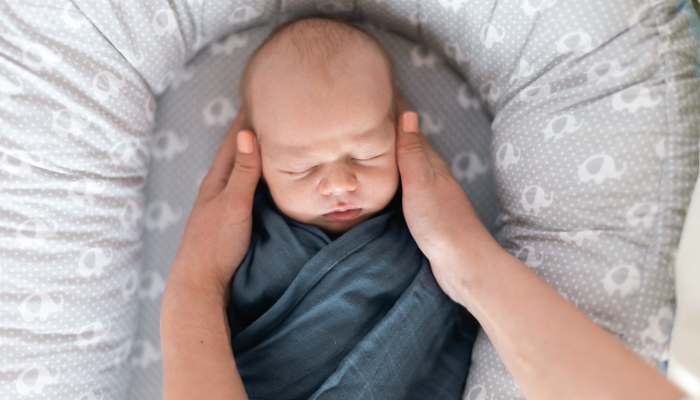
{"x": 361, "y": 137}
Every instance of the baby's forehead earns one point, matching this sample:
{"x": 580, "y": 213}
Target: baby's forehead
{"x": 316, "y": 44}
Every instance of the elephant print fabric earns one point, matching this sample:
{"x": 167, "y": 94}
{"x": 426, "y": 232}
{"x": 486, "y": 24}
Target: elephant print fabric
{"x": 572, "y": 126}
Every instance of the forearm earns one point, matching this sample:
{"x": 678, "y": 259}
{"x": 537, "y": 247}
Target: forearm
{"x": 552, "y": 349}
{"x": 195, "y": 338}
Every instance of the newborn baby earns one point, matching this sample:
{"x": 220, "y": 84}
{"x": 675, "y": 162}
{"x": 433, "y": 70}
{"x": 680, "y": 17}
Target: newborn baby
{"x": 319, "y": 95}
{"x": 334, "y": 299}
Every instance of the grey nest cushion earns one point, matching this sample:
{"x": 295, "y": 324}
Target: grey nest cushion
{"x": 572, "y": 126}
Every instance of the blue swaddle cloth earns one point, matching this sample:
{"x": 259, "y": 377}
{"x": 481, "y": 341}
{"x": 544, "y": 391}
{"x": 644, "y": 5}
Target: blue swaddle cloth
{"x": 359, "y": 317}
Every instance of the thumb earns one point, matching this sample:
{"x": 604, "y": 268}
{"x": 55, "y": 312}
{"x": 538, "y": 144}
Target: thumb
{"x": 246, "y": 170}
{"x": 410, "y": 154}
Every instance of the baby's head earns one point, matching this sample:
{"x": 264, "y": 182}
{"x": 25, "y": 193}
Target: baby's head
{"x": 319, "y": 95}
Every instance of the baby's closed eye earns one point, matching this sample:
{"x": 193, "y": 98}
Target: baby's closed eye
{"x": 299, "y": 173}
{"x": 368, "y": 158}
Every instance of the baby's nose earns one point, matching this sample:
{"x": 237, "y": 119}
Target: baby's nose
{"x": 338, "y": 180}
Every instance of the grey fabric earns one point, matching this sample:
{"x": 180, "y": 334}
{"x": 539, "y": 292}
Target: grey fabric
{"x": 358, "y": 317}
{"x": 589, "y": 161}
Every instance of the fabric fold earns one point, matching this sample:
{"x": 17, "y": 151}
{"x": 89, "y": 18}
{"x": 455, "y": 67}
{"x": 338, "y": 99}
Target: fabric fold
{"x": 357, "y": 317}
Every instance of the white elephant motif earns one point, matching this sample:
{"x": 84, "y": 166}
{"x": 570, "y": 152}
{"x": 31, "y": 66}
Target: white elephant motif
{"x": 429, "y": 125}
{"x": 23, "y": 164}
{"x": 152, "y": 286}
{"x": 455, "y": 5}
{"x": 144, "y": 353}
{"x": 490, "y": 92}
{"x": 419, "y": 60}
{"x": 488, "y": 35}
{"x": 579, "y": 237}
{"x": 92, "y": 334}
{"x": 477, "y": 392}
{"x": 130, "y": 284}
{"x": 130, "y": 214}
{"x": 417, "y": 17}
{"x": 529, "y": 9}
{"x": 555, "y": 129}
{"x": 623, "y": 279}
{"x": 132, "y": 58}
{"x": 219, "y": 112}
{"x": 8, "y": 88}
{"x": 46, "y": 307}
{"x": 659, "y": 327}
{"x": 159, "y": 215}
{"x": 47, "y": 59}
{"x": 43, "y": 379}
{"x": 642, "y": 214}
{"x": 164, "y": 27}
{"x": 634, "y": 98}
{"x": 241, "y": 15}
{"x": 607, "y": 169}
{"x": 474, "y": 169}
{"x": 505, "y": 156}
{"x": 89, "y": 189}
{"x": 539, "y": 199}
{"x": 533, "y": 93}
{"x": 453, "y": 51}
{"x": 41, "y": 232}
{"x": 69, "y": 14}
{"x": 605, "y": 70}
{"x": 166, "y": 145}
{"x": 75, "y": 126}
{"x": 577, "y": 42}
{"x": 102, "y": 258}
{"x": 465, "y": 100}
{"x": 105, "y": 85}
{"x": 524, "y": 70}
{"x": 230, "y": 44}
{"x": 532, "y": 258}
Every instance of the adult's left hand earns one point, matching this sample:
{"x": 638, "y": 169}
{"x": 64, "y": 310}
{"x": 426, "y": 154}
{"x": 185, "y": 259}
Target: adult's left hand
{"x": 436, "y": 209}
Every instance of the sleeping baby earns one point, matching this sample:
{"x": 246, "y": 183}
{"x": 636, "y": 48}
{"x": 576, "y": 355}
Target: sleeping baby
{"x": 334, "y": 299}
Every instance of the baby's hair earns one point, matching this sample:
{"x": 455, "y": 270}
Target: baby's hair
{"x": 334, "y": 32}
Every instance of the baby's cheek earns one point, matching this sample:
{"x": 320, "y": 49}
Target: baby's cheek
{"x": 297, "y": 200}
{"x": 384, "y": 181}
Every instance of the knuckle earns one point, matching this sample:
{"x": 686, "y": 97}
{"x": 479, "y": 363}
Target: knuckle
{"x": 412, "y": 146}
{"x": 245, "y": 166}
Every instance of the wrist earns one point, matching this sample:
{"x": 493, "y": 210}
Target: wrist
{"x": 196, "y": 277}
{"x": 471, "y": 256}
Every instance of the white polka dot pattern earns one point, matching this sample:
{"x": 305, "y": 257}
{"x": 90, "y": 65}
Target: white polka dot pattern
{"x": 584, "y": 173}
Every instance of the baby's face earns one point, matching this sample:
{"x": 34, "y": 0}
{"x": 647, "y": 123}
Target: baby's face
{"x": 327, "y": 139}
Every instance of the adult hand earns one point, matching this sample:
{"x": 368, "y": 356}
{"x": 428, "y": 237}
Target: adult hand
{"x": 218, "y": 231}
{"x": 194, "y": 330}
{"x": 551, "y": 348}
{"x": 436, "y": 209}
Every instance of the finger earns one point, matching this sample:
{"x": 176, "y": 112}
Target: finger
{"x": 410, "y": 150}
{"x": 217, "y": 177}
{"x": 246, "y": 171}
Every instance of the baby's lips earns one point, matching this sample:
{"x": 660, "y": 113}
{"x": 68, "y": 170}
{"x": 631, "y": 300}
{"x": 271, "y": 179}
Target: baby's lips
{"x": 347, "y": 215}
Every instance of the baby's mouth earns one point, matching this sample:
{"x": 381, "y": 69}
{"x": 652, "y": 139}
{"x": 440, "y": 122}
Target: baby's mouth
{"x": 346, "y": 215}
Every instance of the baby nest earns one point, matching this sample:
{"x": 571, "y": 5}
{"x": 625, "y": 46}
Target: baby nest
{"x": 572, "y": 127}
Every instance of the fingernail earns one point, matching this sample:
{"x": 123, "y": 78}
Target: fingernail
{"x": 409, "y": 122}
{"x": 245, "y": 142}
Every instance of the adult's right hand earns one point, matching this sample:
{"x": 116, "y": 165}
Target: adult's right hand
{"x": 218, "y": 230}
